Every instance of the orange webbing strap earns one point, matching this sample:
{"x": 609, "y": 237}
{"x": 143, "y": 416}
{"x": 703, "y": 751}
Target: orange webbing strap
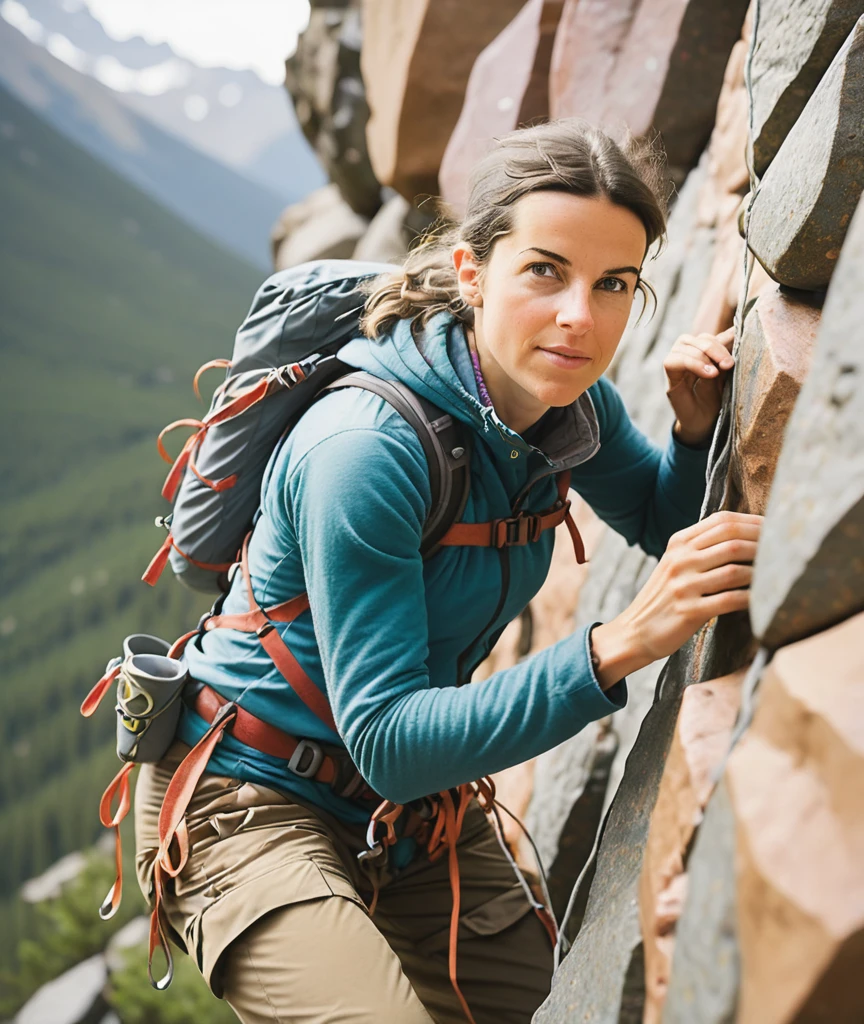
{"x": 573, "y": 529}
{"x": 157, "y": 564}
{"x": 453, "y": 817}
{"x": 214, "y": 364}
{"x": 172, "y": 827}
{"x": 118, "y": 785}
{"x": 94, "y": 697}
{"x": 257, "y": 621}
{"x": 239, "y": 404}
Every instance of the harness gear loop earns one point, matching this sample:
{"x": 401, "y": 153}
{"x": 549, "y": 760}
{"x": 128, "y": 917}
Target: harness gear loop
{"x": 439, "y": 829}
{"x": 118, "y": 785}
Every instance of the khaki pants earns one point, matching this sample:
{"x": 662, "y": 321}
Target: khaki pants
{"x": 272, "y": 906}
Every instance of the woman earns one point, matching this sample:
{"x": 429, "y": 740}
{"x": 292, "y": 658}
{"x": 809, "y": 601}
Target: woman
{"x": 508, "y": 325}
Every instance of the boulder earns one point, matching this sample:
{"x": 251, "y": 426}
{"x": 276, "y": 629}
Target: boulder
{"x": 796, "y": 782}
{"x": 797, "y": 41}
{"x": 320, "y": 227}
{"x": 809, "y": 570}
{"x": 323, "y": 78}
{"x": 700, "y": 743}
{"x": 703, "y": 987}
{"x": 509, "y": 86}
{"x": 773, "y": 359}
{"x": 808, "y": 195}
{"x": 415, "y": 92}
{"x": 649, "y": 65}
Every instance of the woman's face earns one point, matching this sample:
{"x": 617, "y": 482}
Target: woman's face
{"x": 553, "y": 300}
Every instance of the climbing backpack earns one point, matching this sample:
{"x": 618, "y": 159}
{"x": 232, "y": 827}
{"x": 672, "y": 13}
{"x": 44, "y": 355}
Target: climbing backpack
{"x": 285, "y": 355}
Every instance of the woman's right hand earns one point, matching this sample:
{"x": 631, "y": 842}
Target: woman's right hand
{"x": 705, "y": 571}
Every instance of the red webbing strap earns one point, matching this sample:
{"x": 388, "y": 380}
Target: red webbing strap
{"x": 251, "y": 622}
{"x": 214, "y": 364}
{"x": 118, "y": 785}
{"x": 172, "y": 826}
{"x": 573, "y": 529}
{"x": 453, "y": 818}
{"x": 280, "y": 655}
{"x": 94, "y": 697}
{"x": 157, "y": 564}
{"x": 235, "y": 407}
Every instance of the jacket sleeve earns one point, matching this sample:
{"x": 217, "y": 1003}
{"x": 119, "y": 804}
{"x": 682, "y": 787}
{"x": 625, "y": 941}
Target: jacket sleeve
{"x": 642, "y": 492}
{"x": 364, "y": 577}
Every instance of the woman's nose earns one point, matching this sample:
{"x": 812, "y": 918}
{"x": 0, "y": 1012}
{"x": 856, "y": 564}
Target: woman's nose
{"x": 574, "y": 315}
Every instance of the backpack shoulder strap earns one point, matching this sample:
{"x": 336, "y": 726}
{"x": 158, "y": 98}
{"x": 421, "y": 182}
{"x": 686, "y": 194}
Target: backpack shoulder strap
{"x": 446, "y": 443}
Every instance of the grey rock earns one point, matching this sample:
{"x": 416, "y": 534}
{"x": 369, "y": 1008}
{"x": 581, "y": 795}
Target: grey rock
{"x": 73, "y": 998}
{"x": 579, "y": 829}
{"x": 324, "y": 80}
{"x": 795, "y": 43}
{"x": 809, "y": 570}
{"x": 805, "y": 201}
{"x": 560, "y": 775}
{"x": 51, "y": 882}
{"x": 704, "y": 980}
{"x": 135, "y": 933}
{"x": 323, "y": 226}
{"x": 597, "y": 981}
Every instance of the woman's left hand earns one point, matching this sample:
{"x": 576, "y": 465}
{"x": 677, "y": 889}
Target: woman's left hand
{"x": 696, "y": 370}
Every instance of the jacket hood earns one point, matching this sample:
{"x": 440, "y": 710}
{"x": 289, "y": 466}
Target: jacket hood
{"x": 438, "y": 366}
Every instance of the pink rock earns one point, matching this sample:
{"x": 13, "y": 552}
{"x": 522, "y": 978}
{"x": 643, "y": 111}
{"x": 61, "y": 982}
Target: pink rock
{"x": 654, "y": 64}
{"x": 509, "y": 86}
{"x": 773, "y": 359}
{"x": 796, "y": 781}
{"x": 416, "y": 61}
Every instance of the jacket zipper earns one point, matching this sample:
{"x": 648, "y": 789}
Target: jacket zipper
{"x": 462, "y": 676}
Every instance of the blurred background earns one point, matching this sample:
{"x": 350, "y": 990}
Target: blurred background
{"x": 158, "y": 159}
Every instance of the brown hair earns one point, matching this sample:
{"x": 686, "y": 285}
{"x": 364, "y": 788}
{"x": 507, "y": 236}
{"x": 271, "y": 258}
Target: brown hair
{"x": 561, "y": 156}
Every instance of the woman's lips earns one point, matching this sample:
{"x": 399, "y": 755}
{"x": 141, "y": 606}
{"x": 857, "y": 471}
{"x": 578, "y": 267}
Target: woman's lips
{"x": 560, "y": 358}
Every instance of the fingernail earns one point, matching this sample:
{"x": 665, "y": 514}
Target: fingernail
{"x": 710, "y": 369}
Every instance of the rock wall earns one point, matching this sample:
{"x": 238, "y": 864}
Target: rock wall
{"x": 726, "y": 881}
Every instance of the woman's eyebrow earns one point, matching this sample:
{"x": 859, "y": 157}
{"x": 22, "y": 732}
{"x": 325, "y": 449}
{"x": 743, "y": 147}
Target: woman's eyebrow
{"x": 545, "y": 252}
{"x": 621, "y": 270}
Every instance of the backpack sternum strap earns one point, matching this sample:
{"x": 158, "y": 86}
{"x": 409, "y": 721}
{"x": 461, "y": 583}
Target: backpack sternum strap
{"x": 521, "y": 529}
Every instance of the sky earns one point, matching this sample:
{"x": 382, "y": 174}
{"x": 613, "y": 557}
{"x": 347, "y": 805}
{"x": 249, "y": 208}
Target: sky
{"x": 255, "y": 34}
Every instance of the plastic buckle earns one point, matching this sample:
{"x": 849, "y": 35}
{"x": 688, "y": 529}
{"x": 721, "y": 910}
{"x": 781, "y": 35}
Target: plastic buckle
{"x": 311, "y": 770}
{"x": 516, "y": 532}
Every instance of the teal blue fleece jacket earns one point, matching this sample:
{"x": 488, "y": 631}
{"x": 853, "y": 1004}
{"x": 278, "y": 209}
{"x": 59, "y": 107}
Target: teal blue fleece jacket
{"x": 391, "y": 639}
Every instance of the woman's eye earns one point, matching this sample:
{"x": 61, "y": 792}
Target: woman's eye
{"x": 539, "y": 270}
{"x": 612, "y": 284}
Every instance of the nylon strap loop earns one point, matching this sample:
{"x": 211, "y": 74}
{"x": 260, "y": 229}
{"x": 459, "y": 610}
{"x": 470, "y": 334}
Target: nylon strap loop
{"x": 94, "y": 697}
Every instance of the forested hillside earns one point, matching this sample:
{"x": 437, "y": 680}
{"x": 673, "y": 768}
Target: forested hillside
{"x": 107, "y": 306}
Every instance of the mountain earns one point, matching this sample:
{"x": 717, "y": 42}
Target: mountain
{"x": 214, "y": 199}
{"x": 232, "y": 116}
{"x": 109, "y": 305}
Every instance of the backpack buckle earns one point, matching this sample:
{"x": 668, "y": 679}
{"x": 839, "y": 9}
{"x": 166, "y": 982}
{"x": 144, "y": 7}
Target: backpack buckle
{"x": 315, "y": 761}
{"x": 516, "y": 532}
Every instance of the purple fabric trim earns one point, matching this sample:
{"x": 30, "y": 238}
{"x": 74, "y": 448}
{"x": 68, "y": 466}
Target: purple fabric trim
{"x": 478, "y": 376}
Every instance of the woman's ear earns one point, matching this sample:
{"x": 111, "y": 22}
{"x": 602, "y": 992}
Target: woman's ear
{"x": 467, "y": 275}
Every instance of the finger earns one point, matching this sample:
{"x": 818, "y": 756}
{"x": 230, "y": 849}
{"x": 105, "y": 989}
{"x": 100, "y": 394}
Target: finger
{"x": 715, "y": 519}
{"x": 683, "y": 362}
{"x": 723, "y": 604}
{"x": 737, "y": 551}
{"x": 726, "y": 577}
{"x": 724, "y": 533}
{"x": 716, "y": 350}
